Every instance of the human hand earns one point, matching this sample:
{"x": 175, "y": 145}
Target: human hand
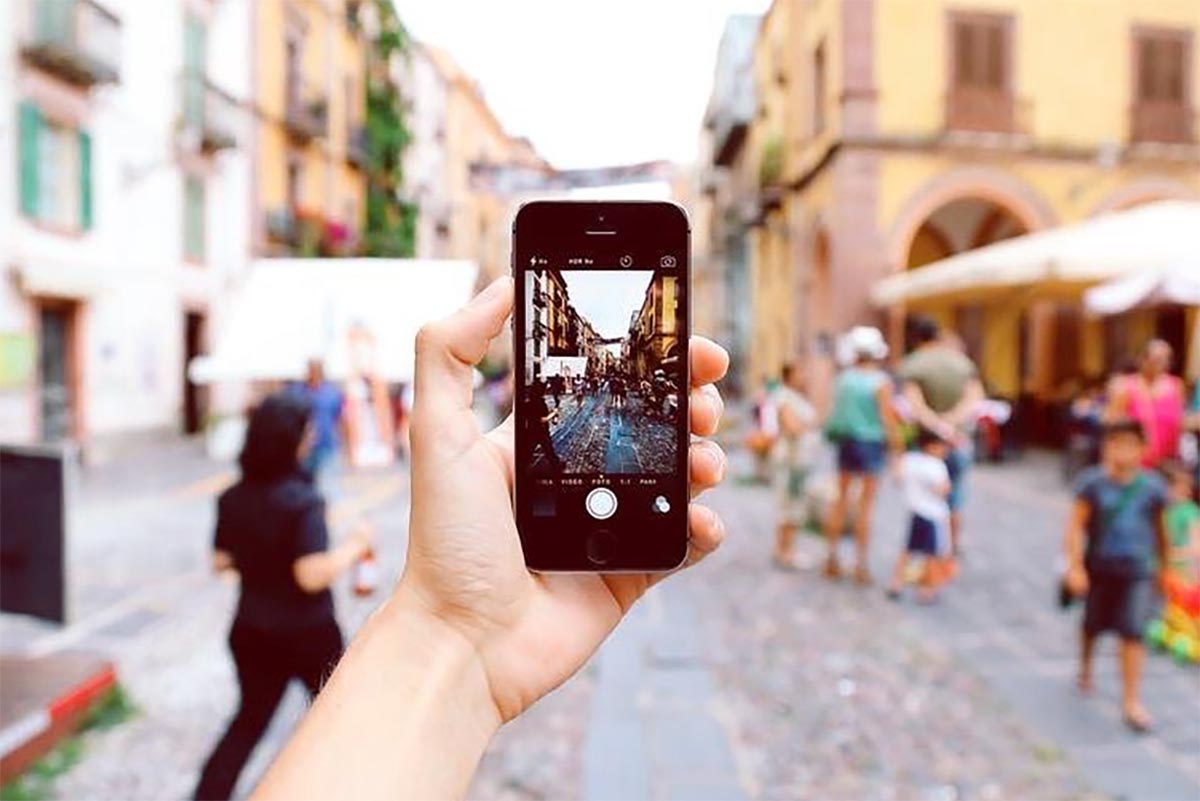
{"x": 362, "y": 538}
{"x": 465, "y": 569}
{"x": 1077, "y": 581}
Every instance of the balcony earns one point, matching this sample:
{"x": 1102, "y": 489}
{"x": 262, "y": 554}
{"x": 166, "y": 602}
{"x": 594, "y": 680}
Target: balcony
{"x": 77, "y": 40}
{"x": 1162, "y": 122}
{"x": 307, "y": 233}
{"x": 356, "y": 144}
{"x": 209, "y": 115}
{"x": 307, "y": 114}
{"x": 983, "y": 110}
{"x": 281, "y": 227}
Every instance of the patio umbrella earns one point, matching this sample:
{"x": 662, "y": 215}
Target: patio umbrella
{"x": 1178, "y": 283}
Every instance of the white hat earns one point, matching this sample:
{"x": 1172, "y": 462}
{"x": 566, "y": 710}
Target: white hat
{"x": 864, "y": 341}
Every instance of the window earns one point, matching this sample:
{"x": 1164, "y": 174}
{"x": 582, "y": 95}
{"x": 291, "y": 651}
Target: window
{"x": 1161, "y": 112}
{"x": 195, "y": 68}
{"x": 55, "y": 171}
{"x": 818, "y": 92}
{"x": 193, "y": 218}
{"x": 981, "y": 53}
{"x": 1160, "y": 69}
{"x": 980, "y": 93}
{"x": 293, "y": 184}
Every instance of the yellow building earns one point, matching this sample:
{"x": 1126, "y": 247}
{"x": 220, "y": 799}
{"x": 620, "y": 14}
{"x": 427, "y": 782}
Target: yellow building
{"x": 653, "y": 334}
{"x": 480, "y": 211}
{"x": 915, "y": 129}
{"x": 310, "y": 146}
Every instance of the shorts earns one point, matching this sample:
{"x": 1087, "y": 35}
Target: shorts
{"x": 1120, "y": 604}
{"x": 861, "y": 457}
{"x": 958, "y": 461}
{"x": 923, "y": 535}
{"x": 789, "y": 489}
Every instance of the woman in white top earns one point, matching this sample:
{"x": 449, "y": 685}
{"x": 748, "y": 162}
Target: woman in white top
{"x": 796, "y": 450}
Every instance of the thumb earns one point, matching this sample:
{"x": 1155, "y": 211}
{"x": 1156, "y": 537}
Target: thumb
{"x": 447, "y": 351}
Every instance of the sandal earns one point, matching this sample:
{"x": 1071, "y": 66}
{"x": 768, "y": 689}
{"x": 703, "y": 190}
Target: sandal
{"x": 1139, "y": 722}
{"x": 833, "y": 570}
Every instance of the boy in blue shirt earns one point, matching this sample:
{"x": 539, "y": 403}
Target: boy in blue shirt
{"x": 1116, "y": 546}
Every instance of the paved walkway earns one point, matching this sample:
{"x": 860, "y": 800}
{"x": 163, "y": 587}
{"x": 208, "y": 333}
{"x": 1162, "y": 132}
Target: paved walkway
{"x": 730, "y": 681}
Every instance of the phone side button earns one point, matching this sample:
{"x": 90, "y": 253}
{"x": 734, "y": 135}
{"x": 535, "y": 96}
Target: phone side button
{"x": 600, "y": 547}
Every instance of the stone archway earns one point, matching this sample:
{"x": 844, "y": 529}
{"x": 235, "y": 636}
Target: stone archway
{"x": 997, "y": 187}
{"x": 1145, "y": 190}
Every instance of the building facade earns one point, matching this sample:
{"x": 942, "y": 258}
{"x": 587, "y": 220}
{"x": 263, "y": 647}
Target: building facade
{"x": 123, "y": 220}
{"x": 723, "y": 215}
{"x": 894, "y": 134}
{"x": 310, "y": 149}
{"x": 426, "y": 161}
{"x": 653, "y": 338}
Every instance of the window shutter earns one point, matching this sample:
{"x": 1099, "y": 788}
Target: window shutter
{"x": 1172, "y": 63}
{"x": 85, "y": 180}
{"x": 30, "y": 125}
{"x": 962, "y": 55}
{"x": 995, "y": 56}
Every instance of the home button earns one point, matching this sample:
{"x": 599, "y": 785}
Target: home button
{"x": 601, "y": 503}
{"x": 600, "y": 546}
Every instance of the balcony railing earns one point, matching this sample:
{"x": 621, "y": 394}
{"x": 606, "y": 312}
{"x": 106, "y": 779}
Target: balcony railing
{"x": 356, "y": 144}
{"x": 983, "y": 110}
{"x": 208, "y": 113}
{"x": 1168, "y": 123}
{"x": 77, "y": 40}
{"x": 307, "y": 112}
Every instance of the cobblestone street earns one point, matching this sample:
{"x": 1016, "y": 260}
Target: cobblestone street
{"x": 593, "y": 436}
{"x": 731, "y": 681}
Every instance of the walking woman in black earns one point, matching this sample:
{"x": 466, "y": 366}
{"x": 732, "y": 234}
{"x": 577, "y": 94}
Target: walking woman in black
{"x": 271, "y": 529}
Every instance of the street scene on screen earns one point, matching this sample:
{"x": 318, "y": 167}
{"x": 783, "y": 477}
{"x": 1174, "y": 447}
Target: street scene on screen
{"x": 601, "y": 364}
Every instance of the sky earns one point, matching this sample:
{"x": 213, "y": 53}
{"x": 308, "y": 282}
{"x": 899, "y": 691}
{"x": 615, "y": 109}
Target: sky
{"x": 607, "y": 298}
{"x": 590, "y": 82}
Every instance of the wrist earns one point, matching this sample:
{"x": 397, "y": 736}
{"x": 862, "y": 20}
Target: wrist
{"x": 444, "y": 654}
{"x": 410, "y": 699}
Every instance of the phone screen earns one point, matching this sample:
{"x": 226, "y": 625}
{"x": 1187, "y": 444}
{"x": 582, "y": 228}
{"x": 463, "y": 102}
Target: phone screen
{"x": 602, "y": 391}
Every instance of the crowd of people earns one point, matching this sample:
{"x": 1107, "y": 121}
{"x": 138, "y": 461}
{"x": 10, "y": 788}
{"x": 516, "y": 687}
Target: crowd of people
{"x": 1134, "y": 528}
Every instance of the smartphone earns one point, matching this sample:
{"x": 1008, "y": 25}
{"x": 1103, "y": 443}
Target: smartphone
{"x": 600, "y": 341}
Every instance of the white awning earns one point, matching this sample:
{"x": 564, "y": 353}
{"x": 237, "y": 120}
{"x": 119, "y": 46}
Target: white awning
{"x": 1150, "y": 238}
{"x": 1178, "y": 284}
{"x": 290, "y": 310}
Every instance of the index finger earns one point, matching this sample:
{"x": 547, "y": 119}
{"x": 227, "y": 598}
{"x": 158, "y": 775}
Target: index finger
{"x": 709, "y": 361}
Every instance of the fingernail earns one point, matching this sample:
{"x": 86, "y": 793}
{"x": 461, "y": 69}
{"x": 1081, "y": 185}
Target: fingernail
{"x": 493, "y": 289}
{"x": 718, "y": 457}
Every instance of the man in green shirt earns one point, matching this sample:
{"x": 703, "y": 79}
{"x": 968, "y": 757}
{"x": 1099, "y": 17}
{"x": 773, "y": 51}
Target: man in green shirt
{"x": 942, "y": 387}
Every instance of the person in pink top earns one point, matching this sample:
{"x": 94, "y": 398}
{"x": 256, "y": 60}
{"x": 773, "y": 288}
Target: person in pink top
{"x": 1154, "y": 398}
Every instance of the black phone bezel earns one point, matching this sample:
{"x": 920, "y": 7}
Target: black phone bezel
{"x": 646, "y": 231}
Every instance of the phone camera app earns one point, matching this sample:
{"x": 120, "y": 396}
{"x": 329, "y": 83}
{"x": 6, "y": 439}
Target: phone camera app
{"x": 626, "y": 261}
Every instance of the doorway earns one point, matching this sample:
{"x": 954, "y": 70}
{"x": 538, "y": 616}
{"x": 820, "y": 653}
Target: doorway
{"x": 56, "y": 406}
{"x": 195, "y": 396}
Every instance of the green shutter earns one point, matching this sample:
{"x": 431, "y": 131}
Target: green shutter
{"x": 30, "y": 124}
{"x": 193, "y": 217}
{"x": 85, "y": 181}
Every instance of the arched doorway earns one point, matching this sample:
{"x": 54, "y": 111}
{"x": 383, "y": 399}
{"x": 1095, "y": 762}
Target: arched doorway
{"x": 959, "y": 225}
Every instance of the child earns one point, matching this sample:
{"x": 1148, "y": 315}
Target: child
{"x": 926, "y": 482}
{"x": 795, "y": 451}
{"x": 1183, "y": 524}
{"x": 1115, "y": 536}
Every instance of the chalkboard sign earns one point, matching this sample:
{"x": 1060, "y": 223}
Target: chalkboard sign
{"x": 33, "y": 524}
